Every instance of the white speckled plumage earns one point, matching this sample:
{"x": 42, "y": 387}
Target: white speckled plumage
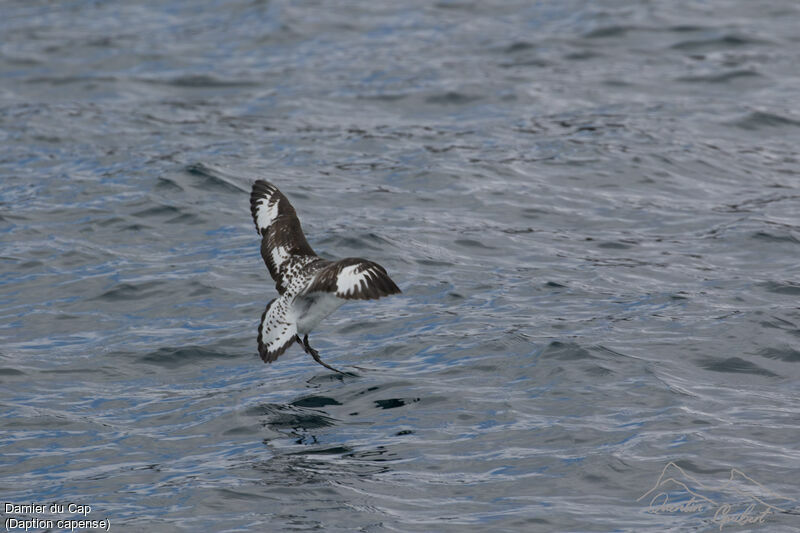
{"x": 310, "y": 288}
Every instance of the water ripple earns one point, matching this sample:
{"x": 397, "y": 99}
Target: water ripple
{"x": 591, "y": 211}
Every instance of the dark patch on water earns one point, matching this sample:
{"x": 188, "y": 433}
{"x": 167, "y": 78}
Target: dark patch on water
{"x": 206, "y": 81}
{"x": 757, "y": 120}
{"x": 334, "y": 450}
{"x": 519, "y": 46}
{"x": 158, "y": 211}
{"x": 734, "y": 365}
{"x": 787, "y": 354}
{"x": 380, "y": 454}
{"x": 213, "y": 179}
{"x": 566, "y": 351}
{"x": 782, "y": 287}
{"x": 716, "y": 43}
{"x": 771, "y": 237}
{"x": 315, "y": 401}
{"x": 288, "y": 418}
{"x": 177, "y": 357}
{"x": 131, "y": 291}
{"x": 614, "y": 245}
{"x": 722, "y": 77}
{"x": 391, "y": 403}
{"x": 451, "y": 98}
{"x": 609, "y": 31}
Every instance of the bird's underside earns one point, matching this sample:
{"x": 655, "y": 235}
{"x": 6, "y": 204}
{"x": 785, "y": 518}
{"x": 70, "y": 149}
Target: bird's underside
{"x": 309, "y": 287}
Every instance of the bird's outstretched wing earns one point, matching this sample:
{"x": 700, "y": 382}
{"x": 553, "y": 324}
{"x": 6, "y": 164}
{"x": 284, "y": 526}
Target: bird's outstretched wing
{"x": 277, "y": 330}
{"x": 282, "y": 237}
{"x": 353, "y": 279}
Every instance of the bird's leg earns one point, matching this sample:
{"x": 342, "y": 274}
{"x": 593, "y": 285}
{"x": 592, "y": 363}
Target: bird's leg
{"x": 315, "y": 354}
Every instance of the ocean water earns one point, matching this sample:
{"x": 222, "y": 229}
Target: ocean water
{"x": 591, "y": 209}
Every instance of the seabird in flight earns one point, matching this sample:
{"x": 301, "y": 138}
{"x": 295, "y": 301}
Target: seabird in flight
{"x": 309, "y": 287}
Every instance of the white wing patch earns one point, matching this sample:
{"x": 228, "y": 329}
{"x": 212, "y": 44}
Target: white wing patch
{"x": 266, "y": 213}
{"x": 349, "y": 281}
{"x": 277, "y": 330}
{"x": 282, "y": 238}
{"x": 353, "y": 279}
{"x": 279, "y": 255}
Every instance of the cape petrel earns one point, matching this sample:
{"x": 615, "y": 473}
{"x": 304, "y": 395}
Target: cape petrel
{"x": 309, "y": 287}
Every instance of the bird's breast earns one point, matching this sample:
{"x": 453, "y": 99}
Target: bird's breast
{"x": 310, "y": 309}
